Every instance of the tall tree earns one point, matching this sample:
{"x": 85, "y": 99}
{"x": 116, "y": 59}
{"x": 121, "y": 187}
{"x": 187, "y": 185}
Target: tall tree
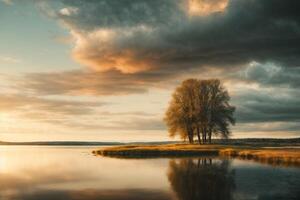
{"x": 181, "y": 114}
{"x": 200, "y": 108}
{"x": 220, "y": 112}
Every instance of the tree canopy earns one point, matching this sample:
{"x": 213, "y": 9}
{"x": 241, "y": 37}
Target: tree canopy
{"x": 200, "y": 108}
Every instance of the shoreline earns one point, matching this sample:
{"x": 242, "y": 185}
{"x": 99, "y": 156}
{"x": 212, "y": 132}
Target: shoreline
{"x": 276, "y": 156}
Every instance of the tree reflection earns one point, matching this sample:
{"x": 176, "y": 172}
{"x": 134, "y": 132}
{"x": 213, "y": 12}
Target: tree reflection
{"x": 203, "y": 178}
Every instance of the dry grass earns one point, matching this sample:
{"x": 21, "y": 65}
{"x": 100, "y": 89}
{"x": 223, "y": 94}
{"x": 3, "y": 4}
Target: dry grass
{"x": 169, "y": 150}
{"x": 270, "y": 156}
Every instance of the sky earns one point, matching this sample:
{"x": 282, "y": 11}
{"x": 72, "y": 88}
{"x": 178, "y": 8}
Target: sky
{"x": 105, "y": 70}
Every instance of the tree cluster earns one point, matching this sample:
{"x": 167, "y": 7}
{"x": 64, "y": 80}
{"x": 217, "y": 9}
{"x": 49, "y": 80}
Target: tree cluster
{"x": 200, "y": 108}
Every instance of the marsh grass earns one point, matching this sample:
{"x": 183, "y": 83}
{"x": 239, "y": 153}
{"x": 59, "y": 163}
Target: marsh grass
{"x": 276, "y": 156}
{"x": 150, "y": 151}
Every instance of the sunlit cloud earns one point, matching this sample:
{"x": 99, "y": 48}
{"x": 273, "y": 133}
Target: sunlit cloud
{"x": 99, "y": 51}
{"x": 158, "y": 35}
{"x": 206, "y": 7}
{"x": 68, "y": 11}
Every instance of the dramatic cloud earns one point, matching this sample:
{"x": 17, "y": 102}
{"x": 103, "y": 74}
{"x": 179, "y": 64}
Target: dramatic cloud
{"x": 206, "y": 7}
{"x": 270, "y": 74}
{"x": 131, "y": 46}
{"x": 68, "y": 11}
{"x": 134, "y": 36}
{"x": 261, "y": 105}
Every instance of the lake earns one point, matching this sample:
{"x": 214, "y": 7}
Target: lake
{"x": 65, "y": 173}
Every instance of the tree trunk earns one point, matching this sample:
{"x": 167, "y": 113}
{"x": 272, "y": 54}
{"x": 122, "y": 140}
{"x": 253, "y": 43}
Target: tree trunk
{"x": 209, "y": 135}
{"x": 189, "y": 134}
{"x": 191, "y": 140}
{"x": 198, "y": 134}
{"x": 191, "y": 137}
{"x": 205, "y": 135}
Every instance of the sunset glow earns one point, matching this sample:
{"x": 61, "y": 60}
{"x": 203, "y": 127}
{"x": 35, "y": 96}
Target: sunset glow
{"x": 106, "y": 71}
{"x": 206, "y": 7}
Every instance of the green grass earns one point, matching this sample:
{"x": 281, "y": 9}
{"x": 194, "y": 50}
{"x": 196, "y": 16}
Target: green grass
{"x": 285, "y": 156}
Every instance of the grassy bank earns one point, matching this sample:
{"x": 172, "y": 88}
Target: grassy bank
{"x": 271, "y": 156}
{"x": 288, "y": 156}
{"x": 168, "y": 150}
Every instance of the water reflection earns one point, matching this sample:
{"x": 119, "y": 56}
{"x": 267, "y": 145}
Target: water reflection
{"x": 73, "y": 173}
{"x": 90, "y": 194}
{"x": 202, "y": 178}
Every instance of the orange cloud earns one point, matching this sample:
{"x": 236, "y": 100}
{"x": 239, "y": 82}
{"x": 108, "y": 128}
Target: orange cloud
{"x": 137, "y": 48}
{"x": 206, "y": 7}
{"x": 125, "y": 61}
{"x": 99, "y": 51}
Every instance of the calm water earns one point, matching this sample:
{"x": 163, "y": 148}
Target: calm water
{"x": 42, "y": 173}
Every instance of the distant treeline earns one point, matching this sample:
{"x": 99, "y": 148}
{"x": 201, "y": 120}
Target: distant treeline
{"x": 242, "y": 141}
{"x": 63, "y": 143}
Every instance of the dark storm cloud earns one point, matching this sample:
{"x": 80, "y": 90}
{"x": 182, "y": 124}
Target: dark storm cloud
{"x": 114, "y": 13}
{"x": 287, "y": 128}
{"x": 162, "y": 34}
{"x": 275, "y": 99}
{"x": 156, "y": 41}
{"x": 261, "y": 106}
{"x": 131, "y": 46}
{"x": 270, "y": 74}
